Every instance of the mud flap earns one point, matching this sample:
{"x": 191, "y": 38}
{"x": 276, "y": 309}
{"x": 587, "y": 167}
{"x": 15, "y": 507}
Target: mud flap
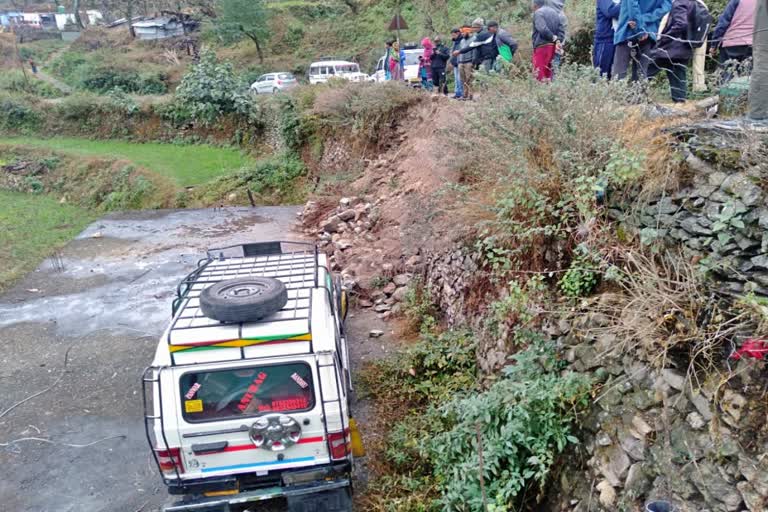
{"x": 337, "y": 500}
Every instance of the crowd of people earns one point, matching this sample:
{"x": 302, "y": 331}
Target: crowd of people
{"x": 634, "y": 39}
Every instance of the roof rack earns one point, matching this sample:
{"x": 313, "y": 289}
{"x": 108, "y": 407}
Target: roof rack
{"x": 298, "y": 269}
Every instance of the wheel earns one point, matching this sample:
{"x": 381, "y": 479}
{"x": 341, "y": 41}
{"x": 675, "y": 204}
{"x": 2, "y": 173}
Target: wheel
{"x": 275, "y": 90}
{"x": 244, "y": 299}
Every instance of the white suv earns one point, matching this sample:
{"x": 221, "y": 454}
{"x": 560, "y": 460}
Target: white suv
{"x": 247, "y": 397}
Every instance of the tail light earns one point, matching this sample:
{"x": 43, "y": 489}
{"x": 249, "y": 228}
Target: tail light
{"x": 340, "y": 444}
{"x": 279, "y": 82}
{"x": 170, "y": 461}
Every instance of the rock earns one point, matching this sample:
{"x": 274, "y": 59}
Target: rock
{"x": 347, "y": 215}
{"x": 675, "y": 379}
{"x": 232, "y": 196}
{"x": 695, "y": 420}
{"x": 692, "y": 225}
{"x": 400, "y": 294}
{"x": 365, "y": 303}
{"x": 755, "y": 472}
{"x": 743, "y": 188}
{"x": 613, "y": 463}
{"x": 751, "y": 497}
{"x": 376, "y": 333}
{"x": 607, "y": 496}
{"x": 345, "y": 202}
{"x": 382, "y": 308}
{"x": 634, "y": 447}
{"x": 760, "y": 261}
{"x": 387, "y": 268}
{"x": 714, "y": 487}
{"x": 332, "y": 224}
{"x": 733, "y": 405}
{"x": 701, "y": 404}
{"x": 413, "y": 262}
{"x": 401, "y": 279}
{"x": 638, "y": 481}
{"x": 641, "y": 426}
{"x": 389, "y": 289}
{"x": 603, "y": 439}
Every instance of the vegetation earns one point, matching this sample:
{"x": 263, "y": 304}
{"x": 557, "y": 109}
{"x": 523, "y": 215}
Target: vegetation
{"x": 97, "y": 72}
{"x": 185, "y": 165}
{"x": 31, "y": 228}
{"x": 237, "y": 19}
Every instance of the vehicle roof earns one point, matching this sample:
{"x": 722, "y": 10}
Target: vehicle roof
{"x": 304, "y": 325}
{"x": 332, "y": 63}
{"x": 277, "y": 73}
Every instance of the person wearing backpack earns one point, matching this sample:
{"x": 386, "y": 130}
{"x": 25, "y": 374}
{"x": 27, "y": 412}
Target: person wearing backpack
{"x": 673, "y": 50}
{"x": 733, "y": 34}
{"x": 635, "y": 33}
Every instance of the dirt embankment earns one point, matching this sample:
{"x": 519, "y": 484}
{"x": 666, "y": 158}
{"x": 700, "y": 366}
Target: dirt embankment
{"x": 379, "y": 225}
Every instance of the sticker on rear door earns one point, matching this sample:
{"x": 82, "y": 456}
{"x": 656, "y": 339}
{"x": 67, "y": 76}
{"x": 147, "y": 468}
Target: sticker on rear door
{"x": 193, "y": 406}
{"x": 298, "y": 380}
{"x": 191, "y": 393}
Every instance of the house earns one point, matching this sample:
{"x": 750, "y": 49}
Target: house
{"x": 158, "y": 28}
{"x": 9, "y": 18}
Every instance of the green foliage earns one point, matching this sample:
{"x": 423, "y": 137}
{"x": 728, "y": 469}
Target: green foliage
{"x": 209, "y": 90}
{"x": 236, "y": 19}
{"x": 524, "y": 422}
{"x": 34, "y": 185}
{"x": 18, "y": 115}
{"x": 582, "y": 276}
{"x": 516, "y": 310}
{"x": 419, "y": 307}
{"x": 129, "y": 191}
{"x": 13, "y": 81}
{"x": 96, "y": 74}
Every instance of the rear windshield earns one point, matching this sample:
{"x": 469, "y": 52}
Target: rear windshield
{"x": 348, "y": 68}
{"x": 412, "y": 58}
{"x": 225, "y": 394}
{"x": 285, "y": 76}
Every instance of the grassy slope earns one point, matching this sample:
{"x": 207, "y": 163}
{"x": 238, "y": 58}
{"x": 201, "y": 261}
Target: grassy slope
{"x": 31, "y": 228}
{"x": 185, "y": 165}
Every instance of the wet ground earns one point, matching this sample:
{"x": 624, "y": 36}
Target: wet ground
{"x": 79, "y": 331}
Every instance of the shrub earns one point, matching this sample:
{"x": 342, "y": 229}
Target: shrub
{"x": 103, "y": 79}
{"x": 129, "y": 191}
{"x": 14, "y": 82}
{"x": 17, "y": 115}
{"x": 209, "y": 90}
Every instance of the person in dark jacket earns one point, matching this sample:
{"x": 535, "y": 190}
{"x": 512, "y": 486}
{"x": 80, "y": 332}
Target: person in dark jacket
{"x": 440, "y": 57}
{"x": 635, "y": 34}
{"x": 547, "y": 24}
{"x": 733, "y": 34}
{"x": 486, "y": 50}
{"x": 602, "y": 52}
{"x": 456, "y": 37}
{"x": 467, "y": 54}
{"x": 671, "y": 53}
{"x": 502, "y": 39}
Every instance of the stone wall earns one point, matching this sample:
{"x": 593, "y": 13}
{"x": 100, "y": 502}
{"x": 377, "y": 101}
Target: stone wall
{"x": 721, "y": 218}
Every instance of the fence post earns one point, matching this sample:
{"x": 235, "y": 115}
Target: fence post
{"x": 758, "y": 87}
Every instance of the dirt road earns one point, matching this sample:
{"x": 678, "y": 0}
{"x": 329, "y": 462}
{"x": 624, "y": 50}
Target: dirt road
{"x": 103, "y": 303}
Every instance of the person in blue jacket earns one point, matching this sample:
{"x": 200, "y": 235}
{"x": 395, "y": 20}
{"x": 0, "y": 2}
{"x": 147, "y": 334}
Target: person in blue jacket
{"x": 636, "y": 34}
{"x": 607, "y": 13}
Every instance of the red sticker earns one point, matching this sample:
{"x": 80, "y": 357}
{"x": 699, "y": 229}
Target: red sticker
{"x": 301, "y": 382}
{"x": 252, "y": 390}
{"x": 191, "y": 393}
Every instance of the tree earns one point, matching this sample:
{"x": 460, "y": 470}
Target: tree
{"x": 236, "y": 19}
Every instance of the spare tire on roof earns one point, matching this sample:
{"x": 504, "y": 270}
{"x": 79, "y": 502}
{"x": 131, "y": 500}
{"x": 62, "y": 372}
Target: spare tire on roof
{"x": 245, "y": 299}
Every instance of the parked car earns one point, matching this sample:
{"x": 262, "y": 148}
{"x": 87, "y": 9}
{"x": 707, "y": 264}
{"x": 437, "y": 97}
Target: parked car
{"x": 410, "y": 70}
{"x": 322, "y": 71}
{"x": 272, "y": 83}
{"x": 247, "y": 398}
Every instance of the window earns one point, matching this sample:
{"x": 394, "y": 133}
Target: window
{"x": 412, "y": 58}
{"x": 246, "y": 392}
{"x": 285, "y": 76}
{"x": 314, "y": 70}
{"x": 270, "y": 78}
{"x": 348, "y": 68}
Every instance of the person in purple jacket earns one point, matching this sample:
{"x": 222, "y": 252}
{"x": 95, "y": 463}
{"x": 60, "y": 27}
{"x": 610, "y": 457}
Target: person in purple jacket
{"x": 602, "y": 52}
{"x": 672, "y": 52}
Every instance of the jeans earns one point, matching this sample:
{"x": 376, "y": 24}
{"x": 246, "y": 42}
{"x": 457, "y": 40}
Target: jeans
{"x": 677, "y": 72}
{"x": 458, "y": 91}
{"x": 602, "y": 57}
{"x": 623, "y": 57}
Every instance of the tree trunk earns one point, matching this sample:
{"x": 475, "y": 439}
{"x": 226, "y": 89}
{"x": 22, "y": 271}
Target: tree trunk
{"x": 76, "y": 9}
{"x": 258, "y": 47}
{"x": 758, "y": 86}
{"x": 129, "y": 17}
{"x": 352, "y": 4}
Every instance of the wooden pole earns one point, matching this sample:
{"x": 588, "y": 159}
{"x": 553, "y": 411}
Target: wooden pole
{"x": 21, "y": 61}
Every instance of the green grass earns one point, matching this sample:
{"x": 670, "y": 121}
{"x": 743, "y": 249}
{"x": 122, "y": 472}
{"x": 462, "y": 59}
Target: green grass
{"x": 32, "y": 227}
{"x": 186, "y": 165}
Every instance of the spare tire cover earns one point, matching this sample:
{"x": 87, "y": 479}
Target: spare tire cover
{"x": 243, "y": 299}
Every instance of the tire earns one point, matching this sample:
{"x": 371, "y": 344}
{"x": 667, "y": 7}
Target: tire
{"x": 275, "y": 90}
{"x": 243, "y": 300}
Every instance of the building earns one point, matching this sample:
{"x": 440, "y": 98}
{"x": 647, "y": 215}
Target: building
{"x": 158, "y": 28}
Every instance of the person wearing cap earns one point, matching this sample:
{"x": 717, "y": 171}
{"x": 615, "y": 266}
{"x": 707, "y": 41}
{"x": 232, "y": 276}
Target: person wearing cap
{"x": 502, "y": 39}
{"x": 547, "y": 24}
{"x": 457, "y": 38}
{"x": 467, "y": 53}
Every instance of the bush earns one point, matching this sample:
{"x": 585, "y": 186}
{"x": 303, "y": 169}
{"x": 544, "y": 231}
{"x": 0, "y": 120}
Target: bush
{"x": 103, "y": 79}
{"x": 14, "y": 82}
{"x": 17, "y": 115}
{"x": 209, "y": 90}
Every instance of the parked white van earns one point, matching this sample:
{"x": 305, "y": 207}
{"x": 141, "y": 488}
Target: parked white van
{"x": 322, "y": 71}
{"x": 247, "y": 398}
{"x": 410, "y": 70}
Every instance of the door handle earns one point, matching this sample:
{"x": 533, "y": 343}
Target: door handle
{"x": 204, "y": 448}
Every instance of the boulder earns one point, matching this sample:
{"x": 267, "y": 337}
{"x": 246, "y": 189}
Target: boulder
{"x": 347, "y": 215}
{"x": 401, "y": 279}
{"x": 607, "y": 496}
{"x": 331, "y": 224}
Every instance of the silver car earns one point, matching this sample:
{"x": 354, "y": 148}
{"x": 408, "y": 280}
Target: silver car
{"x": 272, "y": 83}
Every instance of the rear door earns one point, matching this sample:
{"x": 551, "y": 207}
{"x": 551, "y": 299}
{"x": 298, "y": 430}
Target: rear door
{"x": 252, "y": 418}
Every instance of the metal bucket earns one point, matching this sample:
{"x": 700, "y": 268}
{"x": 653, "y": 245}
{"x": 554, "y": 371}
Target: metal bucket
{"x": 660, "y": 506}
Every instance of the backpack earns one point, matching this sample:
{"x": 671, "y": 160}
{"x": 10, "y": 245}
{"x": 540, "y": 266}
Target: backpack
{"x": 699, "y": 22}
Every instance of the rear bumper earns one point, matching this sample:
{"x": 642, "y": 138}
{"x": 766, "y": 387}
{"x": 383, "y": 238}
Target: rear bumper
{"x": 286, "y": 485}
{"x": 223, "y": 503}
